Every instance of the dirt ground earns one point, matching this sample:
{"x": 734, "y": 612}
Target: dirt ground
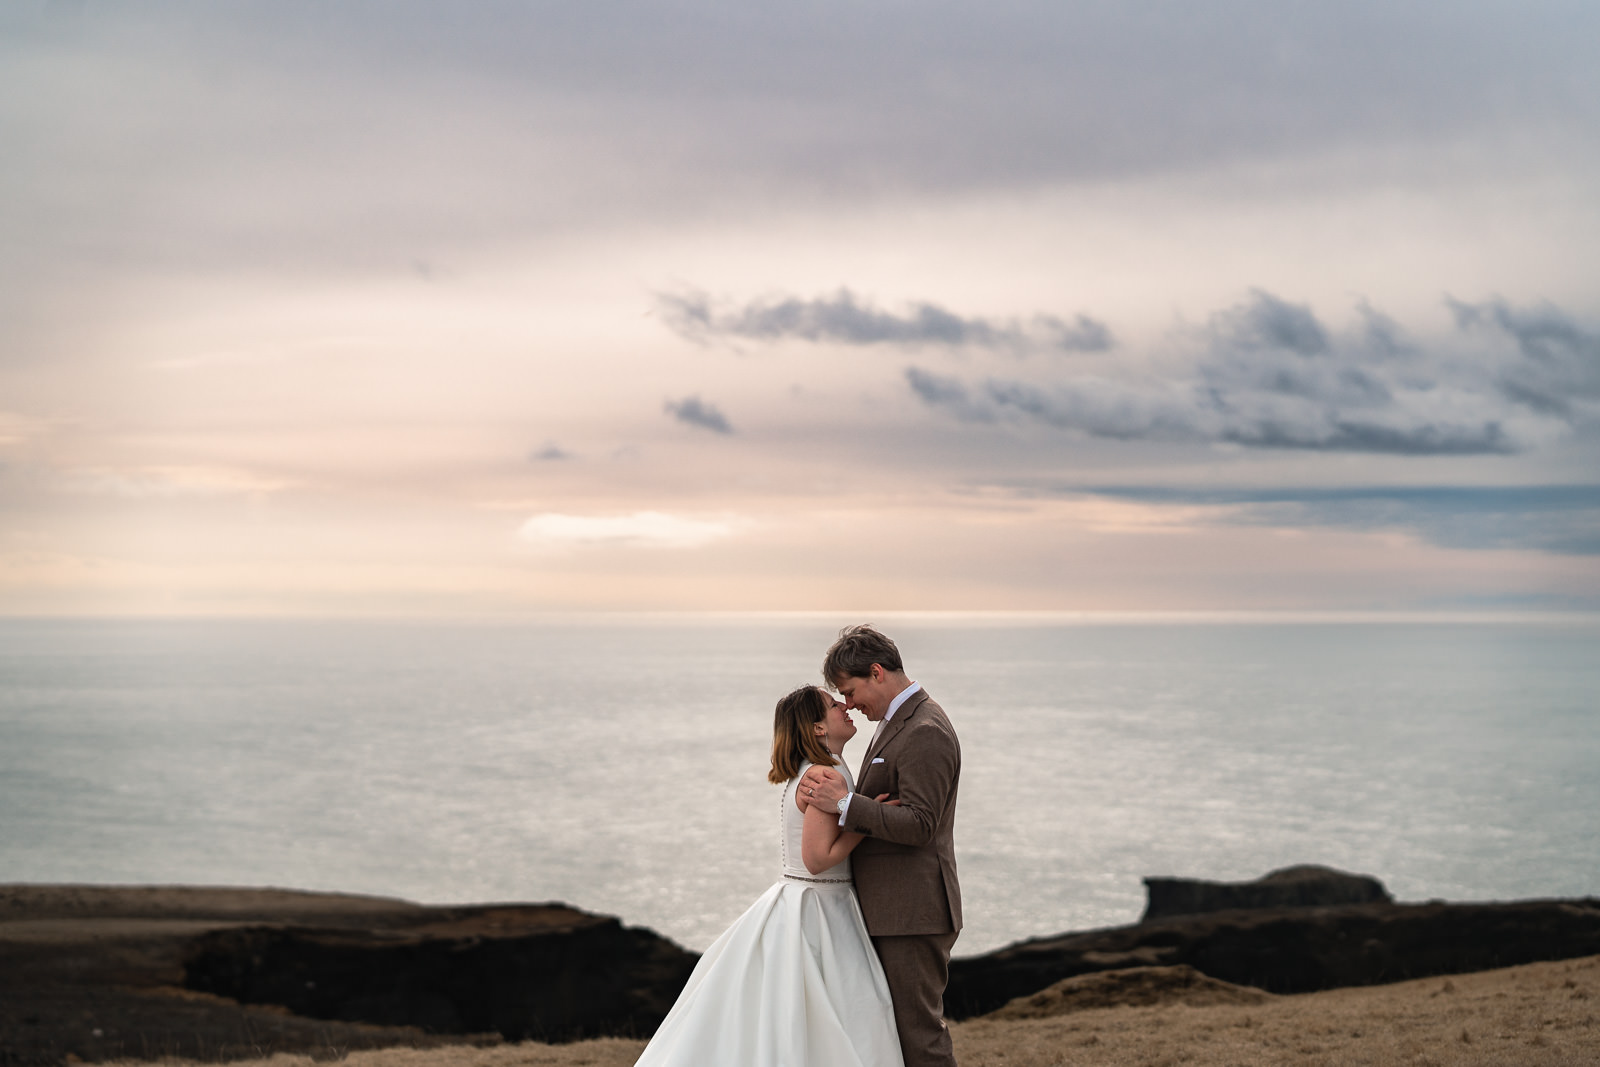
{"x": 1538, "y": 1014}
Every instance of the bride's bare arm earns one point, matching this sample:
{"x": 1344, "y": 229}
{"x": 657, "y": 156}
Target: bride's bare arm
{"x": 822, "y": 843}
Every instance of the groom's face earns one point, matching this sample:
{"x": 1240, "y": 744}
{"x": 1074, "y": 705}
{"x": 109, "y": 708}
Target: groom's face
{"x": 870, "y": 695}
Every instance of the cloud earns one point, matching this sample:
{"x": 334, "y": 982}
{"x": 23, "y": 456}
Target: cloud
{"x": 696, "y": 412}
{"x": 641, "y": 529}
{"x": 1562, "y": 519}
{"x": 1098, "y": 407}
{"x": 845, "y": 319}
{"x": 1266, "y": 323}
{"x": 1339, "y": 435}
{"x": 1381, "y": 335}
{"x": 513, "y": 123}
{"x": 1560, "y": 365}
{"x": 1012, "y": 92}
{"x": 550, "y": 453}
{"x": 950, "y": 394}
{"x": 1268, "y": 374}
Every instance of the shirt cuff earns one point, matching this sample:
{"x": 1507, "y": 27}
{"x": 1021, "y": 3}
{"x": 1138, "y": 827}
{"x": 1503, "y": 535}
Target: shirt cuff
{"x": 847, "y": 798}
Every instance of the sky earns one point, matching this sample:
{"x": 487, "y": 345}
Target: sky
{"x": 486, "y": 308}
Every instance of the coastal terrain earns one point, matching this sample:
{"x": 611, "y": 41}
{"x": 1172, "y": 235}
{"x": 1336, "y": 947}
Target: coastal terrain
{"x": 1537, "y": 1015}
{"x": 1252, "y": 973}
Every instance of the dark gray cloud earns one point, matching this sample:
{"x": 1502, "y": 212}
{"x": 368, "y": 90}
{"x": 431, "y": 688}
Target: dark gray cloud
{"x": 1562, "y": 519}
{"x": 1343, "y": 435}
{"x": 1267, "y": 323}
{"x": 550, "y": 452}
{"x": 696, "y": 412}
{"x": 951, "y": 394}
{"x": 845, "y": 319}
{"x": 1100, "y": 408}
{"x": 1560, "y": 364}
{"x": 1270, "y": 375}
{"x": 1381, "y": 335}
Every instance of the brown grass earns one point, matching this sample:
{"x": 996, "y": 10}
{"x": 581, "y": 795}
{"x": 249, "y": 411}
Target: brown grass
{"x": 1539, "y": 1014}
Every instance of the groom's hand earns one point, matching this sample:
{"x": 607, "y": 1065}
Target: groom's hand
{"x": 822, "y": 785}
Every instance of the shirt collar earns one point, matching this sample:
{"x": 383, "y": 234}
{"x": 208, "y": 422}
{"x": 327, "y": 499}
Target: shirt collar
{"x": 903, "y": 696}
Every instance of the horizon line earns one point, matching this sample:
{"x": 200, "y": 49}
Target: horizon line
{"x": 975, "y": 616}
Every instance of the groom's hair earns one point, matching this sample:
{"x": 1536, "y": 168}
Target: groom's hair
{"x": 854, "y": 653}
{"x": 793, "y": 739}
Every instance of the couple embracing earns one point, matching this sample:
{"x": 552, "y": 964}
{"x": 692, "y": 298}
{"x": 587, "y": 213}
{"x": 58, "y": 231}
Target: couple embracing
{"x": 844, "y": 961}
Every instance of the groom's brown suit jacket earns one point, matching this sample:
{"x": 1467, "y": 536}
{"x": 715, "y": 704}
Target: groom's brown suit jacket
{"x": 905, "y": 869}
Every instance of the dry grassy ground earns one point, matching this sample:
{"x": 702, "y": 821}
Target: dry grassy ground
{"x": 1543, "y": 1013}
{"x": 1540, "y": 1014}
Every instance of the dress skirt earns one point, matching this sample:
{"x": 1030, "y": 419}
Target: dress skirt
{"x": 794, "y": 982}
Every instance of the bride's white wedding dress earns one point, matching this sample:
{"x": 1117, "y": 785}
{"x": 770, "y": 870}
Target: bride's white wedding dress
{"x": 794, "y": 982}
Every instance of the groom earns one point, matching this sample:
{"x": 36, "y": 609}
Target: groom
{"x": 905, "y": 869}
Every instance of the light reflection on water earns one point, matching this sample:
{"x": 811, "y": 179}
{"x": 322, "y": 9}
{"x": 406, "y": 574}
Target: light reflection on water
{"x": 619, "y": 764}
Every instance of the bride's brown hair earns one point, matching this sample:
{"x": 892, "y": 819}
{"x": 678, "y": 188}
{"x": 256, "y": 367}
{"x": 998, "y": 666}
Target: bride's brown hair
{"x": 793, "y": 739}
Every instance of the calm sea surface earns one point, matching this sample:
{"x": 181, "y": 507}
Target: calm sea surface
{"x": 619, "y": 764}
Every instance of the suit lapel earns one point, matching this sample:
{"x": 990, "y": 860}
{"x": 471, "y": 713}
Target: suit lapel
{"x": 901, "y": 716}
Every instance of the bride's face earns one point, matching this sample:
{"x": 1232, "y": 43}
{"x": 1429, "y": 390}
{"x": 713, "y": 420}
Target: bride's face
{"x": 836, "y": 726}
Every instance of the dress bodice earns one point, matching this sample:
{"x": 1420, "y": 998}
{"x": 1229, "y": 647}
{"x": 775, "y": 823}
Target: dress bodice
{"x": 791, "y": 820}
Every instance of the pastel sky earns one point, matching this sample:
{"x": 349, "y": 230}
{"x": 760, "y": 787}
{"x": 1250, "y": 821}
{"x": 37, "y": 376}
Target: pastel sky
{"x": 405, "y": 308}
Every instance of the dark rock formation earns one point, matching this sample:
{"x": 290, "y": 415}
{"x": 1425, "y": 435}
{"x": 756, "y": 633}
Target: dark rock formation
{"x": 544, "y": 973}
{"x": 1292, "y": 950}
{"x": 1293, "y": 887}
{"x": 101, "y": 973}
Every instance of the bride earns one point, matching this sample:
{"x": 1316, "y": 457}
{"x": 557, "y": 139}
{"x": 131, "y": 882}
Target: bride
{"x": 794, "y": 982}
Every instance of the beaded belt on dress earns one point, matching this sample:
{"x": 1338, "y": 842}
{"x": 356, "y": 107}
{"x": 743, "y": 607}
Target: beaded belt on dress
{"x": 817, "y": 881}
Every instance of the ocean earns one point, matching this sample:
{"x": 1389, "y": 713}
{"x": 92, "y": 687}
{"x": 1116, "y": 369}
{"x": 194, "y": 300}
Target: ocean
{"x": 617, "y": 763}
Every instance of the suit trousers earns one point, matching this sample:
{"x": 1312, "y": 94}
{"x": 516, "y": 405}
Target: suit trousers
{"x": 918, "y": 968}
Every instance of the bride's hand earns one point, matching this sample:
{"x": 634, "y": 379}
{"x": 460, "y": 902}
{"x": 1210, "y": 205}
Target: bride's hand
{"x": 881, "y": 798}
{"x": 825, "y": 785}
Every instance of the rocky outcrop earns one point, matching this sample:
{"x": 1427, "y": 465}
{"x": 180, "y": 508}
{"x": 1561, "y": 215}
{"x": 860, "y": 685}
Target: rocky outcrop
{"x": 1292, "y": 950}
{"x": 1292, "y": 887}
{"x": 544, "y": 973}
{"x": 103, "y": 973}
